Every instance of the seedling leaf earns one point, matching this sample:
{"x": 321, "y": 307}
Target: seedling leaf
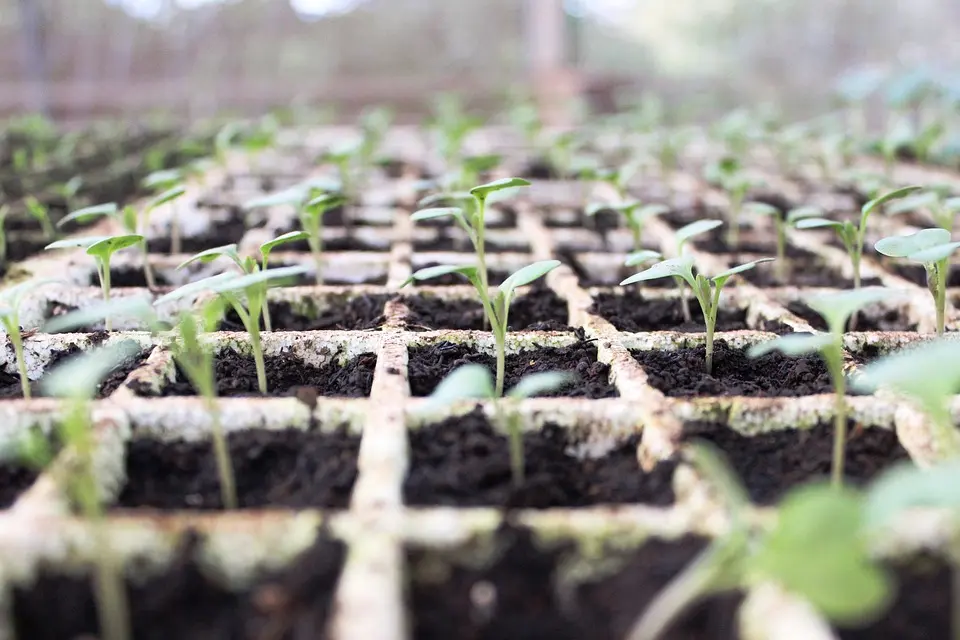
{"x": 801, "y": 213}
{"x": 80, "y": 242}
{"x": 686, "y": 232}
{"x": 818, "y": 223}
{"x": 761, "y": 209}
{"x": 259, "y": 277}
{"x": 485, "y": 190}
{"x": 539, "y": 383}
{"x": 642, "y": 256}
{"x": 89, "y": 213}
{"x": 868, "y": 208}
{"x": 293, "y": 196}
{"x": 740, "y": 269}
{"x": 83, "y": 317}
{"x": 468, "y": 381}
{"x": 80, "y": 376}
{"x": 527, "y": 274}
{"x": 928, "y": 372}
{"x": 836, "y": 308}
{"x": 908, "y": 486}
{"x": 437, "y": 212}
{"x": 905, "y": 246}
{"x": 162, "y": 178}
{"x": 794, "y": 344}
{"x": 668, "y": 268}
{"x": 196, "y": 287}
{"x": 469, "y": 271}
{"x": 270, "y": 245}
{"x": 209, "y": 255}
{"x": 169, "y": 195}
{"x": 935, "y": 254}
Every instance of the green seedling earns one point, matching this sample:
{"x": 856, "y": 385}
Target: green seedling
{"x": 560, "y": 154}
{"x": 618, "y": 178}
{"x": 343, "y": 157}
{"x": 69, "y": 190}
{"x": 39, "y": 212}
{"x": 706, "y": 289}
{"x": 247, "y": 295}
{"x": 635, "y": 213}
{"x": 836, "y": 309}
{"x": 475, "y": 381}
{"x": 452, "y": 125}
{"x": 682, "y": 238}
{"x": 102, "y": 250}
{"x": 168, "y": 183}
{"x": 941, "y": 207}
{"x": 77, "y": 381}
{"x": 932, "y": 248}
{"x": 928, "y": 374}
{"x": 852, "y": 235}
{"x": 10, "y": 301}
{"x": 225, "y": 140}
{"x": 497, "y": 307}
{"x": 471, "y": 169}
{"x": 781, "y": 222}
{"x": 731, "y": 177}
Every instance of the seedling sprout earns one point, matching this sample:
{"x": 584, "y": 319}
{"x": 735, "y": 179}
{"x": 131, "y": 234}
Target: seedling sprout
{"x": 10, "y": 301}
{"x": 635, "y": 213}
{"x": 170, "y": 184}
{"x": 39, "y": 212}
{"x": 942, "y": 209}
{"x": 781, "y": 222}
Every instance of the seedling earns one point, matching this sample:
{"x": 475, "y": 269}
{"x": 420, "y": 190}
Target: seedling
{"x": 39, "y": 212}
{"x": 635, "y": 213}
{"x": 170, "y": 184}
{"x": 781, "y": 222}
{"x": 682, "y": 237}
{"x": 452, "y": 126}
{"x": 836, "y": 309}
{"x": 706, "y": 289}
{"x": 731, "y": 177}
{"x": 853, "y": 235}
{"x": 10, "y": 301}
{"x": 474, "y": 381}
{"x": 77, "y": 381}
{"x": 102, "y": 250}
{"x": 941, "y": 207}
{"x": 69, "y": 190}
{"x": 929, "y": 374}
{"x": 931, "y": 248}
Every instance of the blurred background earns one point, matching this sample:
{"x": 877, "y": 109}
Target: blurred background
{"x": 80, "y": 59}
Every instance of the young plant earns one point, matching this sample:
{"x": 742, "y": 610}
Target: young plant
{"x": 931, "y": 248}
{"x": 836, "y": 309}
{"x": 853, "y": 235}
{"x": 452, "y": 125}
{"x": 77, "y": 381}
{"x": 10, "y": 301}
{"x": 781, "y": 222}
{"x": 731, "y": 177}
{"x": 937, "y": 202}
{"x": 102, "y": 250}
{"x": 682, "y": 238}
{"x": 474, "y": 381}
{"x": 68, "y": 191}
{"x": 39, "y": 212}
{"x": 635, "y": 213}
{"x": 169, "y": 183}
{"x": 706, "y": 289}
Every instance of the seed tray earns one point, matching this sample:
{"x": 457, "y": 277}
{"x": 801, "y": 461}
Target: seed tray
{"x": 393, "y": 550}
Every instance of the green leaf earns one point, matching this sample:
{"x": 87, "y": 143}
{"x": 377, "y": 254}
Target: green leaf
{"x": 196, "y": 287}
{"x": 761, "y": 209}
{"x": 868, "y": 208}
{"x": 792, "y": 344}
{"x": 35, "y": 208}
{"x": 801, "y": 213}
{"x": 685, "y": 233}
{"x": 484, "y": 190}
{"x": 11, "y": 297}
{"x": 740, "y": 269}
{"x": 465, "y": 382}
{"x": 651, "y": 210}
{"x": 324, "y": 202}
{"x": 259, "y": 277}
{"x": 438, "y": 198}
{"x": 293, "y": 196}
{"x": 115, "y": 307}
{"x": 539, "y": 383}
{"x": 270, "y": 245}
{"x": 164, "y": 178}
{"x": 816, "y": 551}
{"x": 935, "y": 254}
{"x": 89, "y": 213}
{"x": 108, "y": 246}
{"x": 438, "y": 212}
{"x": 80, "y": 242}
{"x": 907, "y": 486}
{"x": 209, "y": 255}
{"x": 912, "y": 203}
{"x": 836, "y": 308}
{"x": 169, "y": 195}
{"x": 905, "y": 246}
{"x": 527, "y": 274}
{"x": 682, "y": 267}
{"x": 929, "y": 372}
{"x": 641, "y": 257}
{"x": 478, "y": 164}
{"x": 952, "y": 204}
{"x": 469, "y": 271}
{"x": 80, "y": 376}
{"x": 129, "y": 218}
{"x": 818, "y": 223}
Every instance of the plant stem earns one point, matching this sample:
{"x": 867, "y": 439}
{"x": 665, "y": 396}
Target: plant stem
{"x": 834, "y": 360}
{"x": 636, "y": 231}
{"x": 684, "y": 300}
{"x": 258, "y": 355}
{"x": 940, "y": 292}
{"x": 316, "y": 248}
{"x": 147, "y": 269}
{"x": 228, "y": 489}
{"x": 781, "y": 265}
{"x": 13, "y": 331}
{"x": 103, "y": 269}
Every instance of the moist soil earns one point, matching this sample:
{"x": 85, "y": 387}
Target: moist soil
{"x": 287, "y": 375}
{"x": 802, "y": 274}
{"x": 15, "y": 479}
{"x": 356, "y": 314}
{"x": 922, "y": 607}
{"x": 680, "y": 373}
{"x": 631, "y": 312}
{"x": 220, "y": 232}
{"x": 494, "y": 276}
{"x": 129, "y": 277}
{"x": 429, "y": 365}
{"x": 288, "y": 468}
{"x": 463, "y": 461}
{"x": 527, "y": 603}
{"x": 540, "y": 310}
{"x": 771, "y": 463}
{"x": 868, "y": 320}
{"x": 10, "y": 382}
{"x": 183, "y": 602}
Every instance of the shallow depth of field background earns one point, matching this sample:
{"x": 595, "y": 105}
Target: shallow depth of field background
{"x": 77, "y": 59}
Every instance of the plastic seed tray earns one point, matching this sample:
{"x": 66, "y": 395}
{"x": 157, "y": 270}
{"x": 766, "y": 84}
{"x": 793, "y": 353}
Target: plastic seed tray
{"x": 364, "y": 513}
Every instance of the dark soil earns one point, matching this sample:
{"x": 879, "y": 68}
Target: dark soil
{"x": 219, "y": 233}
{"x": 287, "y": 375}
{"x": 715, "y": 242}
{"x": 10, "y": 382}
{"x": 463, "y": 461}
{"x": 680, "y": 373}
{"x": 886, "y": 320}
{"x": 588, "y": 278}
{"x": 429, "y": 365}
{"x": 356, "y": 314}
{"x": 632, "y": 312}
{"x": 539, "y": 310}
{"x": 494, "y": 276}
{"x": 921, "y": 610}
{"x": 128, "y": 277}
{"x": 771, "y": 463}
{"x": 528, "y": 604}
{"x": 289, "y": 468}
{"x": 183, "y": 602}
{"x": 340, "y": 243}
{"x": 917, "y": 274}
{"x": 15, "y": 478}
{"x": 309, "y": 279}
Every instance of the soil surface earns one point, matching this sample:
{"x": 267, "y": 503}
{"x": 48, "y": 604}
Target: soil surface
{"x": 287, "y": 375}
{"x": 868, "y": 320}
{"x": 356, "y": 314}
{"x": 527, "y": 602}
{"x": 494, "y": 276}
{"x": 288, "y": 468}
{"x": 680, "y": 373}
{"x": 220, "y": 232}
{"x": 921, "y": 610}
{"x": 129, "y": 277}
{"x": 802, "y": 274}
{"x": 540, "y": 310}
{"x": 587, "y": 278}
{"x": 771, "y": 463}
{"x": 429, "y": 365}
{"x": 15, "y": 479}
{"x": 632, "y": 312}
{"x": 183, "y": 602}
{"x": 463, "y": 461}
{"x": 10, "y": 382}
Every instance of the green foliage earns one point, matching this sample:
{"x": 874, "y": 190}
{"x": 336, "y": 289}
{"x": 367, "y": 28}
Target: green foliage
{"x": 635, "y": 213}
{"x": 10, "y": 301}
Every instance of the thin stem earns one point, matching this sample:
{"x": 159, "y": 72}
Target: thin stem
{"x": 500, "y": 339}
{"x": 636, "y": 231}
{"x": 228, "y": 488}
{"x": 13, "y": 331}
{"x": 147, "y": 269}
{"x": 684, "y": 300}
{"x": 834, "y": 360}
{"x": 254, "y": 331}
{"x": 480, "y": 244}
{"x": 940, "y": 293}
{"x": 103, "y": 269}
{"x": 781, "y": 265}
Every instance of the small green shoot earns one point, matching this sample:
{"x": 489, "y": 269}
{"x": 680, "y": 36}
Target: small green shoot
{"x": 169, "y": 183}
{"x": 942, "y": 208}
{"x": 39, "y": 212}
{"x": 10, "y": 301}
{"x": 706, "y": 289}
{"x": 732, "y": 178}
{"x": 635, "y": 213}
{"x": 836, "y": 309}
{"x": 781, "y": 222}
